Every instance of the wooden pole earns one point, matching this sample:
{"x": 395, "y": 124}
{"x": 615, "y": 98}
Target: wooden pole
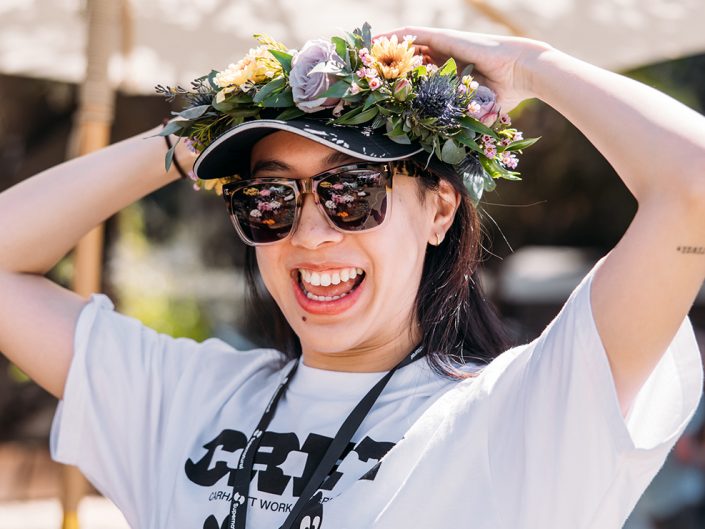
{"x": 91, "y": 132}
{"x": 496, "y": 16}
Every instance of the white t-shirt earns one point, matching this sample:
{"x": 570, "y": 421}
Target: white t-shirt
{"x": 536, "y": 440}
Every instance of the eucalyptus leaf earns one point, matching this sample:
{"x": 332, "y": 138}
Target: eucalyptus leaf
{"x": 169, "y": 157}
{"x": 468, "y": 139}
{"x": 284, "y": 59}
{"x": 366, "y": 35}
{"x": 270, "y": 88}
{"x": 194, "y": 112}
{"x": 467, "y": 70}
{"x": 400, "y": 138}
{"x": 172, "y": 128}
{"x": 452, "y": 153}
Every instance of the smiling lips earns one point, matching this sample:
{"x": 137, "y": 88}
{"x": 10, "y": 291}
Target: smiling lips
{"x": 329, "y": 285}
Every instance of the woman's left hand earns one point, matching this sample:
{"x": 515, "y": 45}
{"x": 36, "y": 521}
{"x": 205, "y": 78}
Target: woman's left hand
{"x": 500, "y": 62}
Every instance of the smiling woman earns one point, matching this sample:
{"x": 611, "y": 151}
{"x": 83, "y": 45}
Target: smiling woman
{"x": 387, "y": 402}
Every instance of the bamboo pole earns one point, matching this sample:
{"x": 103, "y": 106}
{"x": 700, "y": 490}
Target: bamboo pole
{"x": 91, "y": 132}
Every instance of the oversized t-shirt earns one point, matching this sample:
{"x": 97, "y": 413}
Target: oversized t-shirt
{"x": 535, "y": 440}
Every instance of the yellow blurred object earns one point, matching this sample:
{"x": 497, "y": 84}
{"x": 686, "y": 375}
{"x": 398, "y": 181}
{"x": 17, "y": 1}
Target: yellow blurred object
{"x": 70, "y": 520}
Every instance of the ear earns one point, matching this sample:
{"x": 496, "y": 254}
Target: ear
{"x": 445, "y": 201}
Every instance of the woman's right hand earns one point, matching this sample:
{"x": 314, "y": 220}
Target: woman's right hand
{"x": 500, "y": 62}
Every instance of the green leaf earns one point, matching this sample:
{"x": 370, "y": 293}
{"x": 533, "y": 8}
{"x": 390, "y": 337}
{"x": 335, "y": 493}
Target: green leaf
{"x": 280, "y": 100}
{"x": 468, "y": 139}
{"x": 467, "y": 70}
{"x": 172, "y": 128}
{"x": 194, "y": 112}
{"x": 374, "y": 97}
{"x": 169, "y": 157}
{"x": 211, "y": 79}
{"x": 521, "y": 144}
{"x": 343, "y": 120}
{"x": 452, "y": 153}
{"x": 475, "y": 125}
{"x": 284, "y": 59}
{"x": 337, "y": 89}
{"x": 341, "y": 48}
{"x": 366, "y": 35}
{"x": 448, "y": 68}
{"x": 363, "y": 116}
{"x": 290, "y": 113}
{"x": 330, "y": 67}
{"x": 270, "y": 88}
{"x": 244, "y": 112}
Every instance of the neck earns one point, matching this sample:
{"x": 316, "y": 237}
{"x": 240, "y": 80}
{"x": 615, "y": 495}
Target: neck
{"x": 365, "y": 358}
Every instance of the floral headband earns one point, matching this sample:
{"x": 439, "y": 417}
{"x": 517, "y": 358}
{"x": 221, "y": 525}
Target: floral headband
{"x": 358, "y": 81}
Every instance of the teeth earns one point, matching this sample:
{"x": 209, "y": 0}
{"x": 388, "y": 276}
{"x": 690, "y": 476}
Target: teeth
{"x": 325, "y": 279}
{"x": 324, "y": 298}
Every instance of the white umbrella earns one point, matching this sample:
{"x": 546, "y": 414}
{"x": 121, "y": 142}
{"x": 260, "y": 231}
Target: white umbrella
{"x": 174, "y": 41}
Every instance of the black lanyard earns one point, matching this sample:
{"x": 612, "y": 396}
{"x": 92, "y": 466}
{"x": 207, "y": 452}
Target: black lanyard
{"x": 243, "y": 474}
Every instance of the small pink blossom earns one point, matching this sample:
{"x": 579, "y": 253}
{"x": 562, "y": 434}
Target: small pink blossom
{"x": 487, "y": 139}
{"x": 505, "y": 141}
{"x": 474, "y": 85}
{"x": 462, "y": 89}
{"x": 509, "y": 159}
{"x": 518, "y": 135}
{"x": 474, "y": 108}
{"x": 374, "y": 83}
{"x": 490, "y": 151}
{"x": 355, "y": 88}
{"x": 504, "y": 119}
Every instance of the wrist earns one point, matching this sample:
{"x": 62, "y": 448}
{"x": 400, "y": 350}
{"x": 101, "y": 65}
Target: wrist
{"x": 534, "y": 65}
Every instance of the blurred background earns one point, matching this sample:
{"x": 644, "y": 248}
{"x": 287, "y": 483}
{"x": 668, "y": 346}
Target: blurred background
{"x": 78, "y": 73}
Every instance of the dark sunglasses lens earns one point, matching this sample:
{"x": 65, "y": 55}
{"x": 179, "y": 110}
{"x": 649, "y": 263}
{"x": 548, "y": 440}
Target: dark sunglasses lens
{"x": 355, "y": 200}
{"x": 265, "y": 212}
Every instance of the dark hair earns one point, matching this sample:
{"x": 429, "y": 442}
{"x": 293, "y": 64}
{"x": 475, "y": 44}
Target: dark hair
{"x": 458, "y": 324}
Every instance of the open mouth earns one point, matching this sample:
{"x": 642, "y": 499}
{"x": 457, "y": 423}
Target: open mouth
{"x": 329, "y": 285}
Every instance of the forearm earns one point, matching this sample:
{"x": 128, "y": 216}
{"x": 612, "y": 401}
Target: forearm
{"x": 46, "y": 215}
{"x": 655, "y": 143}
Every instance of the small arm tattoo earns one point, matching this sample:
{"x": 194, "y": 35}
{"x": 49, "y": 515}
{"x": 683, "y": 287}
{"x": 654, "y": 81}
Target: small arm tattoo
{"x": 691, "y": 249}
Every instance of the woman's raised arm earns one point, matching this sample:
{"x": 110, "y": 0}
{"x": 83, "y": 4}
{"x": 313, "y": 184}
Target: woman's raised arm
{"x": 646, "y": 285}
{"x": 43, "y": 218}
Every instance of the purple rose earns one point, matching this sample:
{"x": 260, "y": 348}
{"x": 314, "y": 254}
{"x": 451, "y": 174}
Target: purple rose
{"x": 489, "y": 110}
{"x": 307, "y": 87}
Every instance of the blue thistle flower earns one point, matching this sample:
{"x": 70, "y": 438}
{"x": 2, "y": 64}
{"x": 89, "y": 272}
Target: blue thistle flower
{"x": 437, "y": 97}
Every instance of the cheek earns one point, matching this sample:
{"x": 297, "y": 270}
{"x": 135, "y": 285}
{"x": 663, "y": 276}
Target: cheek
{"x": 268, "y": 259}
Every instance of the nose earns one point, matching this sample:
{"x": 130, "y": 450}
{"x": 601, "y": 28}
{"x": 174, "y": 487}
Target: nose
{"x": 313, "y": 230}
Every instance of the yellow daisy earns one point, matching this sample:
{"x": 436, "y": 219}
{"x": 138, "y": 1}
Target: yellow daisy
{"x": 256, "y": 67}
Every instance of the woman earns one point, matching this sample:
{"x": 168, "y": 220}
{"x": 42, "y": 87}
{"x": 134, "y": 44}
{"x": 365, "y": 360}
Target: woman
{"x": 563, "y": 432}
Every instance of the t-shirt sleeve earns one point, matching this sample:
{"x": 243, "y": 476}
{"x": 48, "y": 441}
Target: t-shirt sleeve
{"x": 117, "y": 402}
{"x": 557, "y": 442}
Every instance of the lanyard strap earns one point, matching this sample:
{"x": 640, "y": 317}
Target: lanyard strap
{"x": 243, "y": 474}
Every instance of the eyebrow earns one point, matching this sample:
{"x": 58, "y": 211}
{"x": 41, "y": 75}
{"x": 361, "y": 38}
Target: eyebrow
{"x": 332, "y": 159}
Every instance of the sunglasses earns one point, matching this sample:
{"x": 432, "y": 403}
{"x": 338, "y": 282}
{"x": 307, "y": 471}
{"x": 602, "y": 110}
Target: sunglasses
{"x": 353, "y": 198}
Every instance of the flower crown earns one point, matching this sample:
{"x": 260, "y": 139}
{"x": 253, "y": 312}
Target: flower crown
{"x": 357, "y": 81}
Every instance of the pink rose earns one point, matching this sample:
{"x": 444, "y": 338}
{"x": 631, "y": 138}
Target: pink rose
{"x": 489, "y": 110}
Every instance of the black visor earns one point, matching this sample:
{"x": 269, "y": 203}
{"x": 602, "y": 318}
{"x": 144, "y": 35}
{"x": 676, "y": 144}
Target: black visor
{"x": 229, "y": 154}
